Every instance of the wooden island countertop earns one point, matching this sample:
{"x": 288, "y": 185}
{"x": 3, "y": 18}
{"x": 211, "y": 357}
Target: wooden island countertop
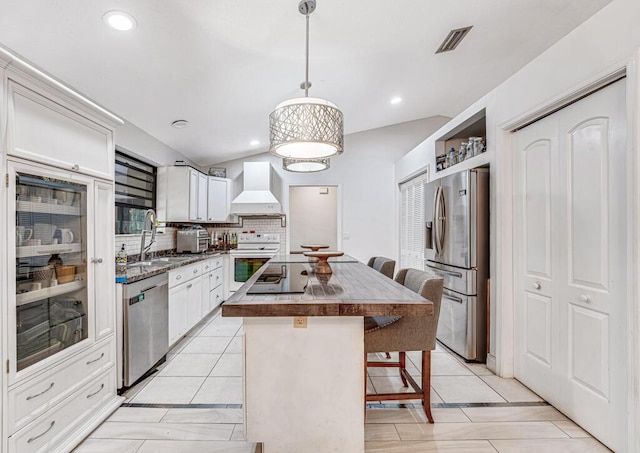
{"x": 353, "y": 289}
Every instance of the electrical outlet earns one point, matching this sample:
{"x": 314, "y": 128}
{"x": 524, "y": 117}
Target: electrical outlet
{"x": 300, "y": 322}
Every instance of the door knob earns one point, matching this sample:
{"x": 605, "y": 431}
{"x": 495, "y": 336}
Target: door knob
{"x": 537, "y": 285}
{"x": 584, "y": 298}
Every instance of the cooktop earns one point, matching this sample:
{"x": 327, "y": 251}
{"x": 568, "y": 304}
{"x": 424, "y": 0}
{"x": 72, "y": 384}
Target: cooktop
{"x": 282, "y": 278}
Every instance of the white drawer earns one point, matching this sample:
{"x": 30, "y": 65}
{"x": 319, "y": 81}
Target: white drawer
{"x": 216, "y": 278}
{"x": 216, "y": 262}
{"x": 216, "y": 297}
{"x": 56, "y": 425}
{"x": 28, "y": 401}
{"x": 206, "y": 266}
{"x": 184, "y": 274}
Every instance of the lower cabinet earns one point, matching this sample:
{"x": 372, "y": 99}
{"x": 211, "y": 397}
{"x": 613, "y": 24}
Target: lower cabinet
{"x": 194, "y": 291}
{"x": 56, "y": 410}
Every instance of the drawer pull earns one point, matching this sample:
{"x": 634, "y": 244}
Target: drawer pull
{"x": 95, "y": 360}
{"x": 178, "y": 277}
{"x": 189, "y": 285}
{"x": 41, "y": 393}
{"x": 96, "y": 392}
{"x": 31, "y": 439}
{"x": 217, "y": 277}
{"x": 195, "y": 271}
{"x": 537, "y": 285}
{"x": 206, "y": 267}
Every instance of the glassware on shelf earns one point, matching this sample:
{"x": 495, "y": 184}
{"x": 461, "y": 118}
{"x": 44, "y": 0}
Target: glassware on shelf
{"x": 51, "y": 227}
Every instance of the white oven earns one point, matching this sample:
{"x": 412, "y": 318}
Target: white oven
{"x": 253, "y": 251}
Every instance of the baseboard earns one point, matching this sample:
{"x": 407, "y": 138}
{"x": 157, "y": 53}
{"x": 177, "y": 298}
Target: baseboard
{"x": 491, "y": 363}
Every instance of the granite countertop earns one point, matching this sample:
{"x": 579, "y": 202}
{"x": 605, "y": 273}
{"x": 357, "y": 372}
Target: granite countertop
{"x": 353, "y": 289}
{"x": 135, "y": 273}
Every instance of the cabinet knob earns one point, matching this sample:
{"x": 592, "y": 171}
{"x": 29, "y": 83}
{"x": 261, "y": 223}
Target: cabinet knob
{"x": 75, "y": 167}
{"x": 537, "y": 285}
{"x": 584, "y": 298}
{"x": 178, "y": 277}
{"x": 189, "y": 285}
{"x": 99, "y": 260}
{"x": 195, "y": 271}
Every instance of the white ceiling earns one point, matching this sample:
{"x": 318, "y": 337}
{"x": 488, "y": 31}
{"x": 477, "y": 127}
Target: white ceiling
{"x": 223, "y": 65}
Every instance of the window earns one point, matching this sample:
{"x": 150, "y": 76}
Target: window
{"x": 412, "y": 227}
{"x": 135, "y": 193}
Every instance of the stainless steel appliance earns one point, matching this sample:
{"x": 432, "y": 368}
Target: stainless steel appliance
{"x": 254, "y": 250}
{"x": 457, "y": 247}
{"x": 192, "y": 241}
{"x": 146, "y": 325}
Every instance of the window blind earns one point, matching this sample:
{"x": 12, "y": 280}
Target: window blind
{"x": 135, "y": 192}
{"x": 412, "y": 227}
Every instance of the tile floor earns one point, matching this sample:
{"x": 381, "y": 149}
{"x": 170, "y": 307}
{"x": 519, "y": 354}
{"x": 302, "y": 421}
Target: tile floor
{"x": 193, "y": 403}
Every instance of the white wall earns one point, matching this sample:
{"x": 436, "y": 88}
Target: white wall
{"x": 607, "y": 41}
{"x": 136, "y": 142}
{"x": 364, "y": 174}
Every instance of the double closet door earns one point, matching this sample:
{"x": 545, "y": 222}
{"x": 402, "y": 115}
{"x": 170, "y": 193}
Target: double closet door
{"x": 570, "y": 260}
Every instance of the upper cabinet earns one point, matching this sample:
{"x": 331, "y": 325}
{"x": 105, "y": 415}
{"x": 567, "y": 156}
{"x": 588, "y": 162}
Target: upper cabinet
{"x": 187, "y": 195}
{"x": 55, "y": 130}
{"x": 219, "y": 199}
{"x": 181, "y": 195}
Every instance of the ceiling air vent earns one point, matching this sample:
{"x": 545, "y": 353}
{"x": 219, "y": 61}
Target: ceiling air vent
{"x": 453, "y": 39}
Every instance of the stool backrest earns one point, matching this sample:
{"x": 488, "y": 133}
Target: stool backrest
{"x": 383, "y": 265}
{"x": 429, "y": 286}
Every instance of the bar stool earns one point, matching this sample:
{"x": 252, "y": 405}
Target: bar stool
{"x": 407, "y": 333}
{"x": 383, "y": 265}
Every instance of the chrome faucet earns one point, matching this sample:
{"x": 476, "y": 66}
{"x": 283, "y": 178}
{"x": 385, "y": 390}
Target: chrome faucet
{"x": 148, "y": 226}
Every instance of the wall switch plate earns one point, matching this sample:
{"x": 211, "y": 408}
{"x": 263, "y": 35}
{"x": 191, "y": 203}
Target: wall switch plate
{"x": 300, "y": 322}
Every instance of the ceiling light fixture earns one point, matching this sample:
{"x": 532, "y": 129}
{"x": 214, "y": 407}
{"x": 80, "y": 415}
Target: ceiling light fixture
{"x": 305, "y": 165}
{"x": 306, "y": 128}
{"x": 254, "y": 142}
{"x": 119, "y": 20}
{"x": 180, "y": 124}
{"x": 396, "y": 100}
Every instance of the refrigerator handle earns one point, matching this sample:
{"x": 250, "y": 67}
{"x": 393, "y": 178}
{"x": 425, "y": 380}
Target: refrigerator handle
{"x": 442, "y": 218}
{"x": 435, "y": 222}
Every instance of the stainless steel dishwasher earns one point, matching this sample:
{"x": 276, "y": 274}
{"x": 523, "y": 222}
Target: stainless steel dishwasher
{"x": 146, "y": 325}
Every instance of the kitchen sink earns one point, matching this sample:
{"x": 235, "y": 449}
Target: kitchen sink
{"x": 141, "y": 264}
{"x": 169, "y": 259}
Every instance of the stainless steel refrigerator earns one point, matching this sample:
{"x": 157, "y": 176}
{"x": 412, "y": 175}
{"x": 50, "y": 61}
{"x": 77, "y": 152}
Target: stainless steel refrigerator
{"x": 457, "y": 247}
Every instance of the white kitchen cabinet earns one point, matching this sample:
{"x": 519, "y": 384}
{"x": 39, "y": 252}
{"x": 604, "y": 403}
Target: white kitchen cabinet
{"x": 177, "y": 313}
{"x": 219, "y": 199}
{"x": 57, "y": 208}
{"x": 182, "y": 194}
{"x": 47, "y": 129}
{"x": 185, "y": 300}
{"x": 104, "y": 288}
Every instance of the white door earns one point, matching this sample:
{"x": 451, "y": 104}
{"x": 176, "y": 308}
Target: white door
{"x": 571, "y": 253}
{"x": 193, "y": 195}
{"x": 202, "y": 196}
{"x": 104, "y": 289}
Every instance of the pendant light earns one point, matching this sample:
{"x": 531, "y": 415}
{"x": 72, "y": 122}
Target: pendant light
{"x": 306, "y": 129}
{"x": 305, "y": 165}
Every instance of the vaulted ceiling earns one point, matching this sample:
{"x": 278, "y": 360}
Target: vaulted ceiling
{"x": 223, "y": 65}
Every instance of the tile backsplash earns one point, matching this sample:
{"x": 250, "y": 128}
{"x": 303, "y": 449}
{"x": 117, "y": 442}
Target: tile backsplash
{"x": 165, "y": 240}
{"x": 259, "y": 225}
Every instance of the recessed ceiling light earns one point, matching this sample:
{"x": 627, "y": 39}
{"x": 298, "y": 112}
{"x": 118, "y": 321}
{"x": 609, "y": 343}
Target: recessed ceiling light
{"x": 119, "y": 20}
{"x": 254, "y": 142}
{"x": 179, "y": 124}
{"x": 396, "y": 100}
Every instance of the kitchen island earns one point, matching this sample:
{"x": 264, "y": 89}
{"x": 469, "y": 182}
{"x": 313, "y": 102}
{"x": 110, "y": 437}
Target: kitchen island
{"x": 304, "y": 351}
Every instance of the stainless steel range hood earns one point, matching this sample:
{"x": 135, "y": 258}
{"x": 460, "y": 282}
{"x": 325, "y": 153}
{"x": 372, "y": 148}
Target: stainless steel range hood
{"x": 260, "y": 191}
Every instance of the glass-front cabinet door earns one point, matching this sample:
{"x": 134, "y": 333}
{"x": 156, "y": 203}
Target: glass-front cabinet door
{"x": 51, "y": 290}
